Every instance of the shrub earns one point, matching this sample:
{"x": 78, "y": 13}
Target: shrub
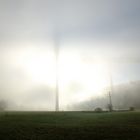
{"x": 131, "y": 108}
{"x": 98, "y": 109}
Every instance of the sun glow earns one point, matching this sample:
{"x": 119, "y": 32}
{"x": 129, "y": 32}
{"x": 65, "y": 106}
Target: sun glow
{"x": 78, "y": 80}
{"x": 37, "y": 63}
{"x": 40, "y": 67}
{"x": 90, "y": 78}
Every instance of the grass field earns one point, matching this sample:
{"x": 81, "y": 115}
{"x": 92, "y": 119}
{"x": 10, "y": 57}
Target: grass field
{"x": 69, "y": 126}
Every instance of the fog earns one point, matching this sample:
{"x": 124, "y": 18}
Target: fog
{"x": 124, "y": 96}
{"x": 97, "y": 44}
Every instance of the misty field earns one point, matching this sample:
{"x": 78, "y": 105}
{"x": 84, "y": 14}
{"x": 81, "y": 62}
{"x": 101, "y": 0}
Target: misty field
{"x": 69, "y": 125}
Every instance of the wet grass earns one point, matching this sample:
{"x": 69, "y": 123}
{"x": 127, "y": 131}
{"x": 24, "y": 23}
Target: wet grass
{"x": 69, "y": 126}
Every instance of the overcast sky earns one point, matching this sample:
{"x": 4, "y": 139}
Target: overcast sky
{"x": 113, "y": 21}
{"x": 103, "y": 29}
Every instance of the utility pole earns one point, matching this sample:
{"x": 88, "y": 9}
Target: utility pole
{"x": 110, "y": 106}
{"x": 111, "y": 90}
{"x": 56, "y": 42}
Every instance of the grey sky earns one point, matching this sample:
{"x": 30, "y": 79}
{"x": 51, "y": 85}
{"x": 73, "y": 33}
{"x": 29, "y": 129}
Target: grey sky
{"x": 113, "y": 21}
{"x": 91, "y": 28}
{"x": 98, "y": 16}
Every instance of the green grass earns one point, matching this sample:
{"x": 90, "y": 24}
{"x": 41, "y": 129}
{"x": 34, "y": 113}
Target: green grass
{"x": 69, "y": 126}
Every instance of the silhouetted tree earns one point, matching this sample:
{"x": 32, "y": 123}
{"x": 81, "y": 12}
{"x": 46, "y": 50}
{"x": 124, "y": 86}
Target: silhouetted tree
{"x": 3, "y": 105}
